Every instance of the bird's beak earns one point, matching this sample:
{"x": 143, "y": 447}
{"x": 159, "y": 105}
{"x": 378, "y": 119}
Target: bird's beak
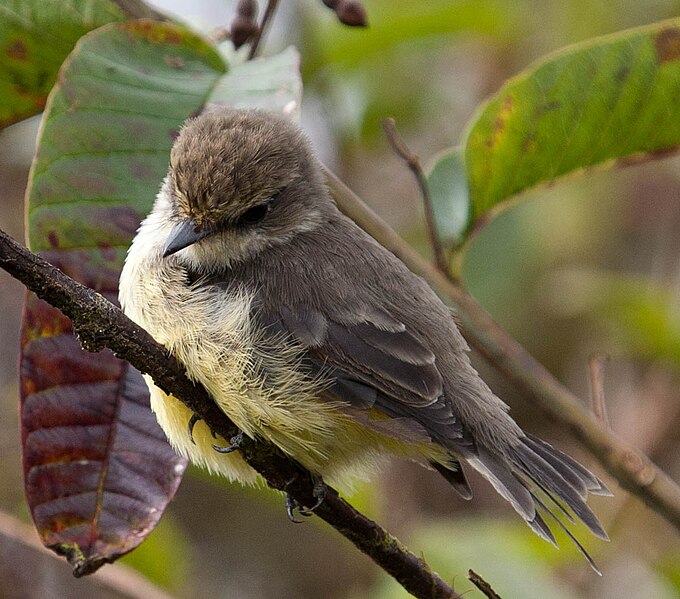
{"x": 184, "y": 234}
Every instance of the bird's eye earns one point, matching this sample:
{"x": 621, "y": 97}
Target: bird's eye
{"x": 254, "y": 215}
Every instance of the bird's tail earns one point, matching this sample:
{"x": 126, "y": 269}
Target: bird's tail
{"x": 539, "y": 480}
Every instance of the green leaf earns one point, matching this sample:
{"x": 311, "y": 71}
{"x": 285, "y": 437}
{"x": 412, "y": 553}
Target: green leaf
{"x": 612, "y": 98}
{"x": 107, "y": 135}
{"x": 35, "y": 38}
{"x": 449, "y": 194}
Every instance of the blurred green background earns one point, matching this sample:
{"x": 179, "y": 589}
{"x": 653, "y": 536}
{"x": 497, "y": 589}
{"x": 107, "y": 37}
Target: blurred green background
{"x": 589, "y": 265}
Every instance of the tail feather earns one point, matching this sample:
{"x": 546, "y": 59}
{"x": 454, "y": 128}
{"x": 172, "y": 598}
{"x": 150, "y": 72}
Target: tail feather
{"x": 508, "y": 485}
{"x": 559, "y": 459}
{"x": 574, "y": 540}
{"x": 455, "y": 477}
{"x": 574, "y": 478}
{"x": 533, "y": 472}
{"x": 551, "y": 497}
{"x": 539, "y": 526}
{"x": 556, "y": 486}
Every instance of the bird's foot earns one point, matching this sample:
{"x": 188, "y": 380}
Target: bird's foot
{"x": 234, "y": 443}
{"x": 293, "y": 505}
{"x": 192, "y": 423}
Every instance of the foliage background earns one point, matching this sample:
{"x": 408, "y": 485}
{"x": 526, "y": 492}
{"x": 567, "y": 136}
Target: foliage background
{"x": 588, "y": 265}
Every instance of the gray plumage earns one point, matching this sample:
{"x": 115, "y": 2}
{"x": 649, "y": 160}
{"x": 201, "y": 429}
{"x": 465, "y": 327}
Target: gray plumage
{"x": 248, "y": 198}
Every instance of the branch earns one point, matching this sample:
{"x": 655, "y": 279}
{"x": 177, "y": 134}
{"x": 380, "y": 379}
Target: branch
{"x": 99, "y": 324}
{"x": 596, "y": 364}
{"x": 266, "y": 19}
{"x": 482, "y": 585}
{"x": 412, "y": 161}
{"x": 633, "y": 470}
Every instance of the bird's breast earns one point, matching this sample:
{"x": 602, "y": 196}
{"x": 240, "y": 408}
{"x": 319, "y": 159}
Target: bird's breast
{"x": 207, "y": 328}
{"x": 253, "y": 376}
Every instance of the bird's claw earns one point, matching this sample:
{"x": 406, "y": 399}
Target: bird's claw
{"x": 192, "y": 423}
{"x": 293, "y": 505}
{"x": 235, "y": 441}
{"x": 319, "y": 493}
{"x": 234, "y": 444}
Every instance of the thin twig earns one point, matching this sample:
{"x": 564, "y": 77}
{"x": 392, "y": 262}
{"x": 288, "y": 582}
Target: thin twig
{"x": 630, "y": 467}
{"x": 99, "y": 324}
{"x": 482, "y": 585}
{"x": 596, "y": 364}
{"x": 412, "y": 161}
{"x": 266, "y": 19}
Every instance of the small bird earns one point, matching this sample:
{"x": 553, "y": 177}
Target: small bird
{"x": 309, "y": 334}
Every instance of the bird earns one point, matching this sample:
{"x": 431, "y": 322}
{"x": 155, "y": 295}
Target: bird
{"x": 310, "y": 335}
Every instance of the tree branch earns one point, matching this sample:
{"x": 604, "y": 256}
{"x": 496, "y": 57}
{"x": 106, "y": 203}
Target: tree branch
{"x": 413, "y": 163}
{"x": 99, "y": 324}
{"x": 596, "y": 364}
{"x": 482, "y": 585}
{"x": 262, "y": 30}
{"x": 633, "y": 470}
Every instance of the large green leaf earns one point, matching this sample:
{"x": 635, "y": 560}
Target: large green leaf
{"x": 610, "y": 98}
{"x": 35, "y": 38}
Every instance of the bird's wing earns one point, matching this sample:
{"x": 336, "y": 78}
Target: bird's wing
{"x": 375, "y": 363}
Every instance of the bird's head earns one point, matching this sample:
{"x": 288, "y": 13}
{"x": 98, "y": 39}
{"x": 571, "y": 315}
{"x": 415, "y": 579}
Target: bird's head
{"x": 240, "y": 181}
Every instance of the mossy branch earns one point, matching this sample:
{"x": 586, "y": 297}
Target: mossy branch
{"x": 99, "y": 324}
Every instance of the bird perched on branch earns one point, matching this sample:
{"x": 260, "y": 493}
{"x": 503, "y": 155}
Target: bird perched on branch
{"x": 309, "y": 334}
